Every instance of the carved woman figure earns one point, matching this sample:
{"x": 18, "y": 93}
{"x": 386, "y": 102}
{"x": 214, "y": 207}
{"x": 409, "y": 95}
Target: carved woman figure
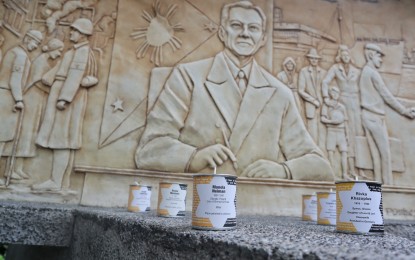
{"x": 289, "y": 77}
{"x": 347, "y": 79}
{"x": 34, "y": 94}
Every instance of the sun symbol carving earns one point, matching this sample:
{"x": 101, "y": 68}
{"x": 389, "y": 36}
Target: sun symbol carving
{"x": 158, "y": 33}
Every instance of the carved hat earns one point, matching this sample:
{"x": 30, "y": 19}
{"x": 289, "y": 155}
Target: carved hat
{"x": 35, "y": 35}
{"x": 312, "y": 53}
{"x": 83, "y": 25}
{"x": 374, "y": 47}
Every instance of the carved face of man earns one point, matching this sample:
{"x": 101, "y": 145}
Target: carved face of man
{"x": 313, "y": 61}
{"x": 345, "y": 57}
{"x": 32, "y": 44}
{"x": 75, "y": 36}
{"x": 377, "y": 59}
{"x": 242, "y": 33}
{"x": 55, "y": 54}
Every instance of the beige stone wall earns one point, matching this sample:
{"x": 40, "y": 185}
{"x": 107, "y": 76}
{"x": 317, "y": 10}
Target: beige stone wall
{"x": 75, "y": 140}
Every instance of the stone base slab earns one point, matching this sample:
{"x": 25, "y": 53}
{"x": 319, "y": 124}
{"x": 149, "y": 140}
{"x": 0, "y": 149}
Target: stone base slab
{"x": 114, "y": 233}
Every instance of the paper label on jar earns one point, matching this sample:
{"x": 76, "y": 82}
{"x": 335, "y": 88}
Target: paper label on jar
{"x": 217, "y": 202}
{"x": 360, "y": 205}
{"x": 141, "y": 198}
{"x": 310, "y": 207}
{"x": 326, "y": 208}
{"x": 172, "y": 199}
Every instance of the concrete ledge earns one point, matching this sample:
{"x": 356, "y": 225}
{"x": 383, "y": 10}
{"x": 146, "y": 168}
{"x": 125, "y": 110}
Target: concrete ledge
{"x": 36, "y": 223}
{"x": 102, "y": 233}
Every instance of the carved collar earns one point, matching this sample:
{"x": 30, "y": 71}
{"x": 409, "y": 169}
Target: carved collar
{"x": 235, "y": 70}
{"x": 76, "y": 46}
{"x": 218, "y": 75}
{"x": 310, "y": 68}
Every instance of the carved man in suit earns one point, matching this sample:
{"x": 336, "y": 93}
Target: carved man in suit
{"x": 375, "y": 96}
{"x": 228, "y": 112}
{"x": 309, "y": 88}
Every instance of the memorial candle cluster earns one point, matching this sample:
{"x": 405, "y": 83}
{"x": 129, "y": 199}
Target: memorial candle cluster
{"x": 356, "y": 207}
{"x": 214, "y": 200}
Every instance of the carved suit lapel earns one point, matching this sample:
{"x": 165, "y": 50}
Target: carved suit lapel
{"x": 223, "y": 90}
{"x": 342, "y": 71}
{"x": 314, "y": 82}
{"x": 257, "y": 94}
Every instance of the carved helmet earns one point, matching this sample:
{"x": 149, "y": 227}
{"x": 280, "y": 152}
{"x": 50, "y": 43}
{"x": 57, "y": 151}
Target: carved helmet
{"x": 35, "y": 35}
{"x": 83, "y": 25}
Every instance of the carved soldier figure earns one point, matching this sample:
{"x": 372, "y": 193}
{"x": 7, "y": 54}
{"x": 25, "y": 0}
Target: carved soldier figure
{"x": 335, "y": 118}
{"x": 347, "y": 78}
{"x": 35, "y": 95}
{"x": 309, "y": 88}
{"x": 289, "y": 77}
{"x": 230, "y": 113}
{"x": 61, "y": 128}
{"x": 374, "y": 95}
{"x": 13, "y": 76}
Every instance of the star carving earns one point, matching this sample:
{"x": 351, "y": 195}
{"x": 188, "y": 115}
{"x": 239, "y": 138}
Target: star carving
{"x": 117, "y": 105}
{"x": 211, "y": 27}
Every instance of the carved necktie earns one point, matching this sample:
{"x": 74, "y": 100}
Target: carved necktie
{"x": 241, "y": 82}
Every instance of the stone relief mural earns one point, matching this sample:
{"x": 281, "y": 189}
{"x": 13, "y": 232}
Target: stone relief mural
{"x": 243, "y": 106}
{"x": 252, "y": 88}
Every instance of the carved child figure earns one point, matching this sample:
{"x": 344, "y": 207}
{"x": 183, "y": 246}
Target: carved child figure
{"x": 334, "y": 115}
{"x": 346, "y": 76}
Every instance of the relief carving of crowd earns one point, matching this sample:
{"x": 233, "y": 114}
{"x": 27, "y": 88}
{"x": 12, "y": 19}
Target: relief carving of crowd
{"x": 344, "y": 109}
{"x": 225, "y": 111}
{"x": 43, "y": 99}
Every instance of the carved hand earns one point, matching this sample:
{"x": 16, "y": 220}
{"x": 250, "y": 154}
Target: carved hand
{"x": 61, "y": 105}
{"x": 265, "y": 169}
{"x": 327, "y": 101}
{"x": 325, "y": 120}
{"x": 316, "y": 103}
{"x": 213, "y": 156}
{"x": 18, "y": 106}
{"x": 409, "y": 113}
{"x": 412, "y": 113}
